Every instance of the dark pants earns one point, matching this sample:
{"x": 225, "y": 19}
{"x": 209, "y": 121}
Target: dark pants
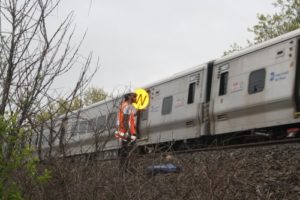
{"x": 126, "y": 147}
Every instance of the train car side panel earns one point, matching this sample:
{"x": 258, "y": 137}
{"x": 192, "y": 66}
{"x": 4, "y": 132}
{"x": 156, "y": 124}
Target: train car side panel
{"x": 255, "y": 90}
{"x": 173, "y": 113}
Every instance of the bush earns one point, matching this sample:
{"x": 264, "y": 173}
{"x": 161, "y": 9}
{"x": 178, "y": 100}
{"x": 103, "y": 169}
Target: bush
{"x": 16, "y": 158}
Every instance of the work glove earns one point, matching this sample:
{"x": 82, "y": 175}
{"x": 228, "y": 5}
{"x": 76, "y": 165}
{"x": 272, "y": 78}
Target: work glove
{"x": 122, "y": 136}
{"x": 132, "y": 138}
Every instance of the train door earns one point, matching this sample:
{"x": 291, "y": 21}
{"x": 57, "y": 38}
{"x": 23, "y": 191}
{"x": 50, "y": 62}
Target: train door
{"x": 297, "y": 82}
{"x": 220, "y": 99}
{"x": 192, "y": 110}
{"x": 141, "y": 121}
{"x": 194, "y": 92}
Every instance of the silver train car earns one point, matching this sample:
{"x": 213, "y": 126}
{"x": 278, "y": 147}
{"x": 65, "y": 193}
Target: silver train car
{"x": 256, "y": 90}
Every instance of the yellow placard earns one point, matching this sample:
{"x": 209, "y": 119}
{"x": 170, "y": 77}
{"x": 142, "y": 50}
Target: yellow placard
{"x": 142, "y": 99}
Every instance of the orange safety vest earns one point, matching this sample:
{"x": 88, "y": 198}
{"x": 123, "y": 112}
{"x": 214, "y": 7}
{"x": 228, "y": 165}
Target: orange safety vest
{"x": 132, "y": 129}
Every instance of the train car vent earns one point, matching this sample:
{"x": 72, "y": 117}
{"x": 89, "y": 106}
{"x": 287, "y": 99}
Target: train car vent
{"x": 190, "y": 123}
{"x": 222, "y": 69}
{"x": 280, "y": 53}
{"x": 198, "y": 78}
{"x": 222, "y": 117}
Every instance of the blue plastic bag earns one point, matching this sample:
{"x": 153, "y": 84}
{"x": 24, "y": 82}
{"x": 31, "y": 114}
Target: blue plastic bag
{"x": 162, "y": 169}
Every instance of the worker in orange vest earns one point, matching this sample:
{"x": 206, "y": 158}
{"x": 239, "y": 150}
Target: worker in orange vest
{"x": 126, "y": 129}
{"x": 126, "y": 121}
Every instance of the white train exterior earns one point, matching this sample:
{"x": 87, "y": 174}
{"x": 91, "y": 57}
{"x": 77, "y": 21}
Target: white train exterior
{"x": 262, "y": 87}
{"x": 254, "y": 89}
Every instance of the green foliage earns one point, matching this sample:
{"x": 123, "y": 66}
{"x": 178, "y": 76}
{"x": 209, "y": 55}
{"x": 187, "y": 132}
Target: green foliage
{"x": 286, "y": 19}
{"x": 59, "y": 107}
{"x": 62, "y": 106}
{"x": 233, "y": 48}
{"x": 16, "y": 158}
{"x": 93, "y": 95}
{"x": 283, "y": 21}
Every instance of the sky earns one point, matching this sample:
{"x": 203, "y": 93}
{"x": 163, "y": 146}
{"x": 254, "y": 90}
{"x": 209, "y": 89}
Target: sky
{"x": 141, "y": 41}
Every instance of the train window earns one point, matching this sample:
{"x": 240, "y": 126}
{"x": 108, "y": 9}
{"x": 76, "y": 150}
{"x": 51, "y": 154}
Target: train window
{"x": 82, "y": 127}
{"x": 73, "y": 129}
{"x": 101, "y": 122}
{"x": 223, "y": 84}
{"x": 144, "y": 115}
{"x": 45, "y": 140}
{"x": 167, "y": 105}
{"x": 111, "y": 120}
{"x": 191, "y": 93}
{"x": 92, "y": 125}
{"x": 257, "y": 81}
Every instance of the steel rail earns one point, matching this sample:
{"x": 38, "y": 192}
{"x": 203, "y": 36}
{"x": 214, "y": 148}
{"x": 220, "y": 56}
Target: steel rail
{"x": 209, "y": 148}
{"x": 224, "y": 147}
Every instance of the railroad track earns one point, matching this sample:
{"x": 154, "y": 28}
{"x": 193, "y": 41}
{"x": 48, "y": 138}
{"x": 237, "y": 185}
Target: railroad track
{"x": 155, "y": 154}
{"x": 224, "y": 147}
{"x": 237, "y": 146}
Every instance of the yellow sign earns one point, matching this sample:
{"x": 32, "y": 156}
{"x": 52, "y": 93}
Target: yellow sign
{"x": 142, "y": 99}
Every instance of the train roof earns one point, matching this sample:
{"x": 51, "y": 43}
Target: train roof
{"x": 173, "y": 77}
{"x": 105, "y": 101}
{"x": 262, "y": 45}
{"x": 177, "y": 75}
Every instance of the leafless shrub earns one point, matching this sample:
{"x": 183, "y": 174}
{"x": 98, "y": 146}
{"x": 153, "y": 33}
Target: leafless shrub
{"x": 233, "y": 174}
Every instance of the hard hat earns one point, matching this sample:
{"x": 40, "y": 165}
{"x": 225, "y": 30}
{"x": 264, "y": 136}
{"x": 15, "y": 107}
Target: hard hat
{"x": 129, "y": 92}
